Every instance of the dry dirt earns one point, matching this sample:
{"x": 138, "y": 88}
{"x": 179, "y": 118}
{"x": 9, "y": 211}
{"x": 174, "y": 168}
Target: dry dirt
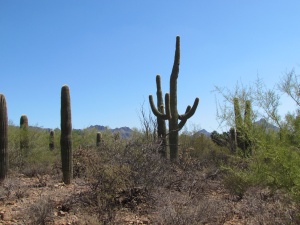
{"x": 23, "y": 200}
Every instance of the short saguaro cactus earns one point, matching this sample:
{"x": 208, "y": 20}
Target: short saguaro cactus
{"x": 66, "y": 135}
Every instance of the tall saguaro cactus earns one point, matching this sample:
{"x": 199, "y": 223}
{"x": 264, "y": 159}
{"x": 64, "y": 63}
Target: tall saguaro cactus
{"x": 3, "y": 138}
{"x": 66, "y": 135}
{"x": 24, "y": 139}
{"x": 171, "y": 107}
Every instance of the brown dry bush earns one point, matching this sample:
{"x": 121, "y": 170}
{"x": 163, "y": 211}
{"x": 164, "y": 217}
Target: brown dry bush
{"x": 40, "y": 212}
{"x": 126, "y": 173}
{"x": 12, "y": 189}
{"x": 120, "y": 174}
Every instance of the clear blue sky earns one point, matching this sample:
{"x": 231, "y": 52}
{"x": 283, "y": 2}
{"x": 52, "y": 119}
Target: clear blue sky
{"x": 109, "y": 53}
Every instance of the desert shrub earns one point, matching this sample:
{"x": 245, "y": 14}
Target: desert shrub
{"x": 40, "y": 212}
{"x": 201, "y": 148}
{"x": 12, "y": 188}
{"x": 38, "y": 159}
{"x": 277, "y": 167}
{"x": 120, "y": 173}
{"x": 236, "y": 183}
{"x": 204, "y": 211}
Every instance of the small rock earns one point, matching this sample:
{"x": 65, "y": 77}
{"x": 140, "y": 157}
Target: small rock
{"x": 145, "y": 221}
{"x": 5, "y": 216}
{"x": 61, "y": 214}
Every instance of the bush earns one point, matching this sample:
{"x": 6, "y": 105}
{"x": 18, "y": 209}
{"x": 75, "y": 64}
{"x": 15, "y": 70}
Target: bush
{"x": 40, "y": 212}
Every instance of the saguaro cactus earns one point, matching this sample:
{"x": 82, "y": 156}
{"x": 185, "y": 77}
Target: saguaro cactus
{"x": 171, "y": 107}
{"x": 51, "y": 140}
{"x": 98, "y": 139}
{"x": 242, "y": 127}
{"x": 66, "y": 135}
{"x": 248, "y": 126}
{"x": 161, "y": 124}
{"x": 24, "y": 139}
{"x": 3, "y": 138}
{"x": 247, "y": 115}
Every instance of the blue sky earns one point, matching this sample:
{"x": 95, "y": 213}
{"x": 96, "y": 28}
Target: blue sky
{"x": 109, "y": 53}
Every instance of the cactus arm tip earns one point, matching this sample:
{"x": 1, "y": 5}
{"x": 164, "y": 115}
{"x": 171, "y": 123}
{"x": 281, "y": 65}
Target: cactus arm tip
{"x": 189, "y": 111}
{"x": 168, "y": 107}
{"x": 155, "y": 110}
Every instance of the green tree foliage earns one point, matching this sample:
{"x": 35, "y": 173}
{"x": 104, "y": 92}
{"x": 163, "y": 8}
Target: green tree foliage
{"x": 274, "y": 140}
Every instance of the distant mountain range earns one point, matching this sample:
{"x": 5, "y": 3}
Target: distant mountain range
{"x": 262, "y": 122}
{"x": 125, "y": 132}
{"x": 205, "y": 132}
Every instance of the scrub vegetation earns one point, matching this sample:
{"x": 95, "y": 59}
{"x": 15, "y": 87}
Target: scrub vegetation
{"x": 248, "y": 174}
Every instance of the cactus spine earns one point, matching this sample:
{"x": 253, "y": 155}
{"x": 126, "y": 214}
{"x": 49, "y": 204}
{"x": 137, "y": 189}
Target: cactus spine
{"x": 171, "y": 107}
{"x": 98, "y": 139}
{"x": 24, "y": 139}
{"x": 66, "y": 135}
{"x": 51, "y": 140}
{"x": 3, "y": 138}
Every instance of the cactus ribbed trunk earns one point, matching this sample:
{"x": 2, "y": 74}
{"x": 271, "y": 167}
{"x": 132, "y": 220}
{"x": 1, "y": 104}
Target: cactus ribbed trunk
{"x": 243, "y": 127}
{"x": 3, "y": 138}
{"x": 238, "y": 124}
{"x": 161, "y": 124}
{"x": 98, "y": 139}
{"x": 248, "y": 127}
{"x": 66, "y": 136}
{"x": 51, "y": 140}
{"x": 24, "y": 139}
{"x": 171, "y": 107}
{"x": 173, "y": 122}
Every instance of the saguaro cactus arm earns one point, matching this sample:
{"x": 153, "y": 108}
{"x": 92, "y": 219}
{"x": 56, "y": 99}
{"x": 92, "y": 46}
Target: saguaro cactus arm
{"x": 157, "y": 113}
{"x": 189, "y": 113}
{"x": 237, "y": 113}
{"x": 183, "y": 121}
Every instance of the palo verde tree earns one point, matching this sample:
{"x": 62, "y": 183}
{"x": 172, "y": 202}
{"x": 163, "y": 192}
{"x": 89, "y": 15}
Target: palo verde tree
{"x": 66, "y": 135}
{"x": 176, "y": 121}
{"x": 3, "y": 138}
